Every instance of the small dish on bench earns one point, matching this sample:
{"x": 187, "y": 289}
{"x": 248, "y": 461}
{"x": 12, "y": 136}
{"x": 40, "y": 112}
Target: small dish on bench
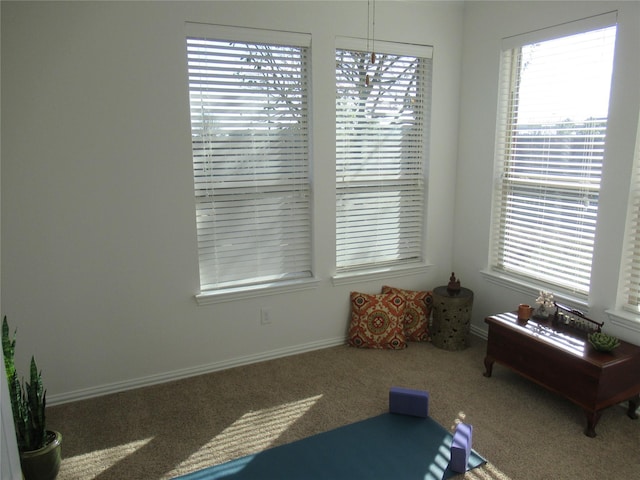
{"x": 603, "y": 342}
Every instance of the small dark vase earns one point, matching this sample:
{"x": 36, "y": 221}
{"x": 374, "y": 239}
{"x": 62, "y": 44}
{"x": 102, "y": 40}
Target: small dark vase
{"x": 44, "y": 463}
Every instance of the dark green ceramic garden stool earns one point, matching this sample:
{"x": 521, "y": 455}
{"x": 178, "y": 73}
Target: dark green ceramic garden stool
{"x": 451, "y": 318}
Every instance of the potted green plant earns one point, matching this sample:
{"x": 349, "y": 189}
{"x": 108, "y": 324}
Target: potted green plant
{"x": 39, "y": 448}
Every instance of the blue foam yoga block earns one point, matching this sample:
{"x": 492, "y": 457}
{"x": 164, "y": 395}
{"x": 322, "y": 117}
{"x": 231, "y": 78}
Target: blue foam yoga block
{"x": 461, "y": 447}
{"x": 406, "y": 401}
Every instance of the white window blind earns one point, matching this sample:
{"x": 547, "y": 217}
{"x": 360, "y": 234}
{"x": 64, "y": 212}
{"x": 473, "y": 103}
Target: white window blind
{"x": 631, "y": 254}
{"x": 381, "y": 148}
{"x": 249, "y": 126}
{"x": 549, "y": 155}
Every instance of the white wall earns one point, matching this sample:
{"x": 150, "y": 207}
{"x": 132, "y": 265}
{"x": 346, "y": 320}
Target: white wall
{"x": 486, "y": 23}
{"x": 99, "y": 260}
{"x": 9, "y": 461}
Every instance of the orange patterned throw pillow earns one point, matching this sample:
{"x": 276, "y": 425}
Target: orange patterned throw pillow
{"x": 416, "y": 314}
{"x": 376, "y": 321}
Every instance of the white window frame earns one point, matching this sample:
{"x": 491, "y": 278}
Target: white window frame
{"x": 627, "y": 312}
{"x": 496, "y": 272}
{"x": 288, "y": 183}
{"x": 348, "y": 273}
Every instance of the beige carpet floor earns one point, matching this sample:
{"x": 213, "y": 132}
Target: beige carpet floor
{"x": 166, "y": 430}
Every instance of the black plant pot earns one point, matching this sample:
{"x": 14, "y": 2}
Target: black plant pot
{"x": 44, "y": 463}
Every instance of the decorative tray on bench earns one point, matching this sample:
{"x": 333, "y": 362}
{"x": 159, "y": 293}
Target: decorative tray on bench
{"x": 574, "y": 321}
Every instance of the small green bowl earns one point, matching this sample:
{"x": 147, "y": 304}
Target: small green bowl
{"x": 603, "y": 342}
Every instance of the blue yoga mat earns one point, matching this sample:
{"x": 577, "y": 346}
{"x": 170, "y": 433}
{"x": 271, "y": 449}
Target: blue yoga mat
{"x": 389, "y": 446}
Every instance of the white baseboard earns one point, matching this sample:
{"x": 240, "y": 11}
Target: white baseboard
{"x": 116, "y": 387}
{"x": 479, "y": 332}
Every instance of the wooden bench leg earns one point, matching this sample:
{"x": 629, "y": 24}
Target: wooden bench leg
{"x": 633, "y": 406}
{"x": 592, "y": 421}
{"x": 488, "y": 365}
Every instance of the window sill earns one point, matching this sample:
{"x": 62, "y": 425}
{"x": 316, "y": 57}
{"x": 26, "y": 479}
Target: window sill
{"x": 253, "y": 291}
{"x": 346, "y": 278}
{"x": 533, "y": 290}
{"x": 624, "y": 319}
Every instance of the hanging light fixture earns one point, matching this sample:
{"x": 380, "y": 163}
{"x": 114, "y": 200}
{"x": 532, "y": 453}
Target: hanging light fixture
{"x": 371, "y": 22}
{"x": 373, "y": 34}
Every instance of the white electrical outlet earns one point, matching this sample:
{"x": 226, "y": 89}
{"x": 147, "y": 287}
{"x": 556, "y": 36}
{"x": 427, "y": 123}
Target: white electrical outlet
{"x": 265, "y": 316}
